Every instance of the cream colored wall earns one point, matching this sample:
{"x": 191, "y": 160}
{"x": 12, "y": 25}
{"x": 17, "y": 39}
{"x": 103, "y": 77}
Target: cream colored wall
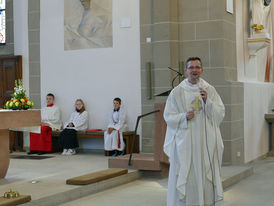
{"x": 95, "y": 75}
{"x": 259, "y": 99}
{"x": 21, "y": 47}
{"x": 258, "y": 95}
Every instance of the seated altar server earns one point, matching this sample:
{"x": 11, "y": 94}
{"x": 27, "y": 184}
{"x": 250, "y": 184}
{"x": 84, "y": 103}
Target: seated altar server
{"x": 113, "y": 137}
{"x": 78, "y": 122}
{"x": 40, "y": 143}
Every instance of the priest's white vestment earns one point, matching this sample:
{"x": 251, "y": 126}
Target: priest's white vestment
{"x": 192, "y": 144}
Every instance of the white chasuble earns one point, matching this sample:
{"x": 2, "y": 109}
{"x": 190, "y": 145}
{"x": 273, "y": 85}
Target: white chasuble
{"x": 192, "y": 144}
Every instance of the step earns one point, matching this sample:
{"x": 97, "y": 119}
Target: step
{"x": 96, "y": 176}
{"x": 79, "y": 191}
{"x": 138, "y": 161}
{"x": 14, "y": 201}
{"x": 233, "y": 174}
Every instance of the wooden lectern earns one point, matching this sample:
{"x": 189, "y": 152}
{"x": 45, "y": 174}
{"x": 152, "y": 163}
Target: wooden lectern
{"x": 160, "y": 133}
{"x": 14, "y": 119}
{"x": 152, "y": 162}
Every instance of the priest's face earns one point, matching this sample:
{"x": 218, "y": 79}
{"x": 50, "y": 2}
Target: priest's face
{"x": 116, "y": 104}
{"x": 194, "y": 70}
{"x": 50, "y": 100}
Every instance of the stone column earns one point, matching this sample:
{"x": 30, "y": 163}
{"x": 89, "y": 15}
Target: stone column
{"x": 208, "y": 31}
{"x": 157, "y": 24}
{"x": 34, "y": 52}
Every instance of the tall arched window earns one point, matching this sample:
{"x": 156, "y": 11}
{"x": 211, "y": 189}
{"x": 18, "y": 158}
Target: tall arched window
{"x": 2, "y": 22}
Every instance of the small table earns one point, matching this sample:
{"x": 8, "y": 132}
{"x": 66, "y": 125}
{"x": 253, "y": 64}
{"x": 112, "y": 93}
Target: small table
{"x": 270, "y": 119}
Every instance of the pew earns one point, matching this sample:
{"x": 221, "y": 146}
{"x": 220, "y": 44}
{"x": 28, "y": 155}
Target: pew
{"x": 127, "y": 136}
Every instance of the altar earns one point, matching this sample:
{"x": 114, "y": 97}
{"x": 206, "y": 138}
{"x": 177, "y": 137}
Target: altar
{"x": 13, "y": 119}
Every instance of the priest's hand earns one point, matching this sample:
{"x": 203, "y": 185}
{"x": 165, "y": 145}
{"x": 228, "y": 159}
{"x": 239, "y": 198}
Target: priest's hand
{"x": 110, "y": 130}
{"x": 203, "y": 94}
{"x": 190, "y": 115}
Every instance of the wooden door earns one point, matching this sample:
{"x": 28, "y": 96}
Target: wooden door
{"x": 10, "y": 70}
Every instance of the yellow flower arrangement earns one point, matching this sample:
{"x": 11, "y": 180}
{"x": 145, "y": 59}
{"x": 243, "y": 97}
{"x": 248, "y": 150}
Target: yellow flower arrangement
{"x": 19, "y": 98}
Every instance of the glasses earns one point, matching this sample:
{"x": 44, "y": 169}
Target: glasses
{"x": 194, "y": 67}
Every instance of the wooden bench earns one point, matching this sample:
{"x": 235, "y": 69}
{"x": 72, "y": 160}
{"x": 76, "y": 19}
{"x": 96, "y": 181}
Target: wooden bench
{"x": 127, "y": 136}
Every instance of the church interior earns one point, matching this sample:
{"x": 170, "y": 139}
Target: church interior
{"x": 98, "y": 50}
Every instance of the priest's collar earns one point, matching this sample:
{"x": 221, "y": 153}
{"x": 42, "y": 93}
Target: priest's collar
{"x": 116, "y": 110}
{"x": 50, "y": 105}
{"x": 200, "y": 84}
{"x": 191, "y": 84}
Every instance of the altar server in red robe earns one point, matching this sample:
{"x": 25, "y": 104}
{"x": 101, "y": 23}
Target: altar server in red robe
{"x": 40, "y": 143}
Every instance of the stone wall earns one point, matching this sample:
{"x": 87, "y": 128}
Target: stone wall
{"x": 182, "y": 28}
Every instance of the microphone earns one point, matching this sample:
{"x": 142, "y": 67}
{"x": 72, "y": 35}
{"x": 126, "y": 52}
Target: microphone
{"x": 201, "y": 94}
{"x": 179, "y": 73}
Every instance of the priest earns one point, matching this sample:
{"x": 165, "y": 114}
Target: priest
{"x": 193, "y": 141}
{"x": 41, "y": 142}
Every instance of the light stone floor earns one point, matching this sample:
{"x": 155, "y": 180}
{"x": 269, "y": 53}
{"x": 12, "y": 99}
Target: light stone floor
{"x": 51, "y": 173}
{"x": 145, "y": 192}
{"x": 256, "y": 190}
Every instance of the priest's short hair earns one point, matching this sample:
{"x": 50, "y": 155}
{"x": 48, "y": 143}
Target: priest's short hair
{"x": 193, "y": 59}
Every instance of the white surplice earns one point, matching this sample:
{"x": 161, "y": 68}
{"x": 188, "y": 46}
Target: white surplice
{"x": 117, "y": 120}
{"x": 52, "y": 116}
{"x": 190, "y": 150}
{"x": 79, "y": 120}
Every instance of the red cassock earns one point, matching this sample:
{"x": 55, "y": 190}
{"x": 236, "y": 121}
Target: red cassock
{"x": 42, "y": 141}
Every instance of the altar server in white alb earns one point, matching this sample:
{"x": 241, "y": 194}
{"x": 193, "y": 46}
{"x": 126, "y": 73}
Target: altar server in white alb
{"x": 193, "y": 141}
{"x": 41, "y": 141}
{"x": 78, "y": 121}
{"x": 117, "y": 124}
